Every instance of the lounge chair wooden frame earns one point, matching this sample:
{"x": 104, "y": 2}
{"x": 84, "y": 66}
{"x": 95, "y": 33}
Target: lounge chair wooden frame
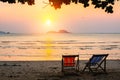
{"x": 70, "y": 62}
{"x": 96, "y": 62}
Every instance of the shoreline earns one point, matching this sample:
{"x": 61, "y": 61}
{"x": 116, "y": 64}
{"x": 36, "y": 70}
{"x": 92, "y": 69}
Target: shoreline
{"x": 110, "y": 64}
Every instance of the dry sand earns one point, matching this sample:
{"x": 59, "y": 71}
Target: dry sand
{"x": 51, "y": 70}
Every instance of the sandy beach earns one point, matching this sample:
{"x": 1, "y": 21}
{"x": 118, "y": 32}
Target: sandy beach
{"x": 51, "y": 70}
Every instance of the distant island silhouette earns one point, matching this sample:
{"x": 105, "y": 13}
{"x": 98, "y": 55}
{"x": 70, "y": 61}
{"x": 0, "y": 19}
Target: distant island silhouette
{"x": 2, "y": 32}
{"x": 60, "y": 31}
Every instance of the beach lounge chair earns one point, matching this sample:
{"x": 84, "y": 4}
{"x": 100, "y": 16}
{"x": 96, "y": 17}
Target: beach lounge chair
{"x": 70, "y": 62}
{"x": 96, "y": 62}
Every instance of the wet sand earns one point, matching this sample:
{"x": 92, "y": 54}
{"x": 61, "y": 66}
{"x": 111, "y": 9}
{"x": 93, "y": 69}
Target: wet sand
{"x": 51, "y": 70}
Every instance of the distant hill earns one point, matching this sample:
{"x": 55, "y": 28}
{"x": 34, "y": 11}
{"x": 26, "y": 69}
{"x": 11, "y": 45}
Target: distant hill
{"x": 60, "y": 31}
{"x": 2, "y": 32}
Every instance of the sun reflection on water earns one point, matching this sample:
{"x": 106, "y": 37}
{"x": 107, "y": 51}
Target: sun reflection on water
{"x": 48, "y": 49}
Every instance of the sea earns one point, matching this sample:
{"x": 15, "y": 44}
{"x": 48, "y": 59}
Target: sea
{"x": 38, "y": 47}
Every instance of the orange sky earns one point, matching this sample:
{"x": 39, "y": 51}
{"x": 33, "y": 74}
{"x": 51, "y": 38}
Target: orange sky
{"x": 74, "y": 18}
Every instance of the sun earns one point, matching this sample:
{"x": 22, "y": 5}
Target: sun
{"x": 48, "y": 22}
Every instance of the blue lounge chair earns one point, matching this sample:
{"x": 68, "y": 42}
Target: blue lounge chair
{"x": 96, "y": 62}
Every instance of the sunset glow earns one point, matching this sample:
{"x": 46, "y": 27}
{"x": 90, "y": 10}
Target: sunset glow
{"x": 56, "y": 31}
{"x": 73, "y": 17}
{"x": 48, "y": 22}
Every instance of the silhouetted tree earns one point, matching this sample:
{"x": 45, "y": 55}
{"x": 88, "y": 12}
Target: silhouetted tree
{"x": 30, "y": 2}
{"x": 9, "y": 1}
{"x": 106, "y": 5}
